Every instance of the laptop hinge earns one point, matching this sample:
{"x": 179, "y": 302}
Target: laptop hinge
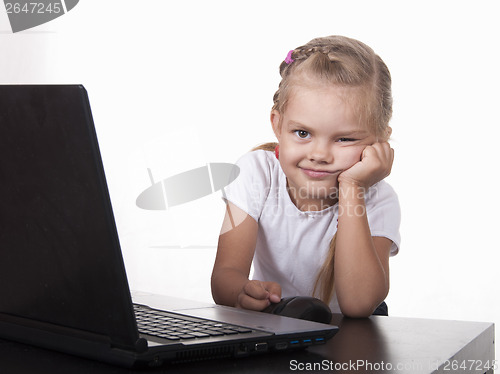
{"x": 28, "y": 331}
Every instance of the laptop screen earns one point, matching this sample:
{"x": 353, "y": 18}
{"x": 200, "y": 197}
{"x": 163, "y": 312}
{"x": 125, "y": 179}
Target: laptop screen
{"x": 60, "y": 260}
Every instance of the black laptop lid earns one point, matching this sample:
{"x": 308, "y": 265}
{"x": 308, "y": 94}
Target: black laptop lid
{"x": 60, "y": 259}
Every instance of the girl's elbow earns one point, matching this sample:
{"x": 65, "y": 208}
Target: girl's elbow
{"x": 357, "y": 311}
{"x": 360, "y": 308}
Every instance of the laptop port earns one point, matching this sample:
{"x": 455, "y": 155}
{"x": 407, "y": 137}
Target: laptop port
{"x": 281, "y": 345}
{"x": 241, "y": 351}
{"x": 307, "y": 342}
{"x": 261, "y": 347}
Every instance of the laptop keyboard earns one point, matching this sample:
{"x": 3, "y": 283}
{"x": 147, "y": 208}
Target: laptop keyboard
{"x": 176, "y": 327}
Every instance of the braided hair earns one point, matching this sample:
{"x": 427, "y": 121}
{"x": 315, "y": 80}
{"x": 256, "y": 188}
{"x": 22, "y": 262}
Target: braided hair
{"x": 344, "y": 62}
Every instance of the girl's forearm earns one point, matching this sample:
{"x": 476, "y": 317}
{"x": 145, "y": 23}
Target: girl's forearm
{"x": 227, "y": 283}
{"x": 361, "y": 281}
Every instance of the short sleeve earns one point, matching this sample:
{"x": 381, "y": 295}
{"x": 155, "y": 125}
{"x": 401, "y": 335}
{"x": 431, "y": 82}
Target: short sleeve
{"x": 384, "y": 213}
{"x": 251, "y": 187}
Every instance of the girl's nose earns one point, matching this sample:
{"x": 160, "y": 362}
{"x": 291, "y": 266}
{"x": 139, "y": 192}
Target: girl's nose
{"x": 320, "y": 153}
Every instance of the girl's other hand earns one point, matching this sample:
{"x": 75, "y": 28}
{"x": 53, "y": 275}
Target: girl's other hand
{"x": 375, "y": 165}
{"x": 258, "y": 295}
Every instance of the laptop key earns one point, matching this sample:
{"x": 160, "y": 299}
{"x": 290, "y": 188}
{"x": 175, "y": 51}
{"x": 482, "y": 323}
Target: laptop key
{"x": 169, "y": 337}
{"x": 243, "y": 330}
{"x": 186, "y": 336}
{"x": 228, "y": 332}
{"x": 214, "y": 333}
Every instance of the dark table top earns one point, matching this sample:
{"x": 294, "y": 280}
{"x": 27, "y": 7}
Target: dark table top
{"x": 375, "y": 344}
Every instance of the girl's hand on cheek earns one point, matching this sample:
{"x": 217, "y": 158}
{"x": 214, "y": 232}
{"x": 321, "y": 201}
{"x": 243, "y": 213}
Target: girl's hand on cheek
{"x": 258, "y": 295}
{"x": 375, "y": 165}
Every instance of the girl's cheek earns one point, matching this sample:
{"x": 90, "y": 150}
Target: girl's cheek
{"x": 288, "y": 151}
{"x": 353, "y": 156}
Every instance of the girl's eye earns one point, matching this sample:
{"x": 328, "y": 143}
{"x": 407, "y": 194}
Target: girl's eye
{"x": 302, "y": 134}
{"x": 344, "y": 140}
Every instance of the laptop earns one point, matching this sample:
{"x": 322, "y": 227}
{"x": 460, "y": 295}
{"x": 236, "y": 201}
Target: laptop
{"x": 63, "y": 284}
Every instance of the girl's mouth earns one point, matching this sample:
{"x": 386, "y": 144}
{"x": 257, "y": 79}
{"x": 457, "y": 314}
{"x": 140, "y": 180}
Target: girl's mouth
{"x": 317, "y": 174}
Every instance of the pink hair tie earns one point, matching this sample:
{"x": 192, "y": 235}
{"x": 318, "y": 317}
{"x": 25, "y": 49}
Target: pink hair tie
{"x": 289, "y": 58}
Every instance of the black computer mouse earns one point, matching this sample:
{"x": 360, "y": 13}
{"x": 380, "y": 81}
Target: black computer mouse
{"x": 302, "y": 307}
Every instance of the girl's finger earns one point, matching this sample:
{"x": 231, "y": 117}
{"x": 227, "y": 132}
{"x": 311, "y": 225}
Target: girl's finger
{"x": 247, "y": 302}
{"x": 256, "y": 290}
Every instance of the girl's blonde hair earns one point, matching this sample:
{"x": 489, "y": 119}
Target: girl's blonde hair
{"x": 346, "y": 63}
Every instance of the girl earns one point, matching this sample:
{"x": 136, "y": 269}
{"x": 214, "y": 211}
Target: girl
{"x": 312, "y": 211}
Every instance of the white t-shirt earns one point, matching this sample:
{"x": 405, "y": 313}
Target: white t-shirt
{"x": 292, "y": 244}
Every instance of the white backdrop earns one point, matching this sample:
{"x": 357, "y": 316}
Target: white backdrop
{"x": 174, "y": 85}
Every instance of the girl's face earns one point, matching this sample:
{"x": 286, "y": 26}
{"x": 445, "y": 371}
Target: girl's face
{"x": 319, "y": 138}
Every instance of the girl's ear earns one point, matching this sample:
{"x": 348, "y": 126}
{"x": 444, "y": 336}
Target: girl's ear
{"x": 388, "y": 133}
{"x": 275, "y": 122}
